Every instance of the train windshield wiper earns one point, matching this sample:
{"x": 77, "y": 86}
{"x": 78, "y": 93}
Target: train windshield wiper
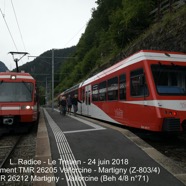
{"x": 27, "y": 87}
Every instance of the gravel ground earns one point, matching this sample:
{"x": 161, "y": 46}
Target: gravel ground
{"x": 19, "y": 176}
{"x": 172, "y": 147}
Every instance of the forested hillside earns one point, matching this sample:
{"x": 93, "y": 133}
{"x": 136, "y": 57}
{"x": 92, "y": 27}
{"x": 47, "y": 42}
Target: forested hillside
{"x": 119, "y": 28}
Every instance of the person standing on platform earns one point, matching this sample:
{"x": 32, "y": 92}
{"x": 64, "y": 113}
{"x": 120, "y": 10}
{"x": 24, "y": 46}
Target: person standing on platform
{"x": 69, "y": 104}
{"x": 63, "y": 105}
{"x": 75, "y": 101}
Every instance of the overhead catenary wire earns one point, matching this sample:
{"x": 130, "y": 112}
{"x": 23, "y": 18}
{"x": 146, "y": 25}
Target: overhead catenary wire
{"x": 4, "y": 6}
{"x": 9, "y": 30}
{"x": 18, "y": 25}
{"x": 75, "y": 35}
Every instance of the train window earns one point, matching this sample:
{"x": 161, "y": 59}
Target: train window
{"x": 169, "y": 79}
{"x": 137, "y": 83}
{"x": 102, "y": 91}
{"x": 113, "y": 88}
{"x": 122, "y": 87}
{"x": 95, "y": 92}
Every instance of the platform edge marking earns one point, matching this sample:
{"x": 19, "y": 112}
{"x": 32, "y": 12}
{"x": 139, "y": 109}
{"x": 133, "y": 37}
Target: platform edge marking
{"x": 65, "y": 153}
{"x": 85, "y": 130}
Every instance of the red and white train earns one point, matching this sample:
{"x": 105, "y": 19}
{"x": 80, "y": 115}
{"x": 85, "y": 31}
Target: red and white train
{"x": 146, "y": 90}
{"x": 18, "y": 100}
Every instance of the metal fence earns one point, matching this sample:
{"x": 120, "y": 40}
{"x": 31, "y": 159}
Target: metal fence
{"x": 166, "y": 6}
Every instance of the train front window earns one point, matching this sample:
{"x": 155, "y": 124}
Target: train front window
{"x": 16, "y": 92}
{"x": 169, "y": 79}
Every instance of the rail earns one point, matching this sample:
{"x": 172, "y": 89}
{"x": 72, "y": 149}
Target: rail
{"x": 10, "y": 152}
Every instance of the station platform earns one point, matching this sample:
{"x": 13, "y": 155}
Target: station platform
{"x": 75, "y": 151}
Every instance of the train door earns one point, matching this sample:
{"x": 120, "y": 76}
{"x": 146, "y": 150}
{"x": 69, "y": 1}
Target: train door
{"x": 87, "y": 99}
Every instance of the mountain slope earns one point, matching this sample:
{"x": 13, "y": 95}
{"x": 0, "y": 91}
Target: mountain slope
{"x": 3, "y": 67}
{"x": 41, "y": 67}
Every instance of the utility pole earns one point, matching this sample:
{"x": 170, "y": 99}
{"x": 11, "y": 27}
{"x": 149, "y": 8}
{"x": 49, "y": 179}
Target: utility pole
{"x": 53, "y": 58}
{"x": 52, "y": 79}
{"x": 46, "y": 93}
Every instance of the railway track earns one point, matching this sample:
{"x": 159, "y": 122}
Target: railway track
{"x": 7, "y": 146}
{"x": 173, "y": 148}
{"x": 14, "y": 148}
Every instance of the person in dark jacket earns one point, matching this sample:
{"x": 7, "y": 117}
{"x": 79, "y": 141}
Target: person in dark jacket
{"x": 75, "y": 101}
{"x": 63, "y": 105}
{"x": 69, "y": 104}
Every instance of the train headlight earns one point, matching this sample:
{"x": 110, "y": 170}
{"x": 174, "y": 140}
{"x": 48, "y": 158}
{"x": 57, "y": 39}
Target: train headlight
{"x": 174, "y": 113}
{"x": 171, "y": 113}
{"x": 12, "y": 77}
{"x": 26, "y": 107}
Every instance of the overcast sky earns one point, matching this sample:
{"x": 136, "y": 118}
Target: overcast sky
{"x": 40, "y": 25}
